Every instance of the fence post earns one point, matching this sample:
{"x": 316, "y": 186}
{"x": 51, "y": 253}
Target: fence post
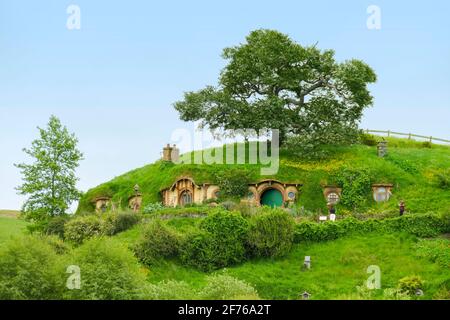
{"x": 409, "y": 137}
{"x": 389, "y": 133}
{"x": 431, "y": 139}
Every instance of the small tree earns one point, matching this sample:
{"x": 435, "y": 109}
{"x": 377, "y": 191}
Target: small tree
{"x": 50, "y": 181}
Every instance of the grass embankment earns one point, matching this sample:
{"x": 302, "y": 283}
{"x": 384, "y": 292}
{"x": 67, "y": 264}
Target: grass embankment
{"x": 10, "y": 225}
{"x": 410, "y": 166}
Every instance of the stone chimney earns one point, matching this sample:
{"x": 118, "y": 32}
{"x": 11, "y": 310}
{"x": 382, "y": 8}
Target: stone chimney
{"x": 175, "y": 154}
{"x": 167, "y": 153}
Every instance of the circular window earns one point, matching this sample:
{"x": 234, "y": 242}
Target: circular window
{"x": 250, "y": 195}
{"x": 291, "y": 195}
{"x": 217, "y": 194}
{"x": 381, "y": 194}
{"x": 333, "y": 198}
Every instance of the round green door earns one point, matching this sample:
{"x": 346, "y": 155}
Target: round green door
{"x": 272, "y": 198}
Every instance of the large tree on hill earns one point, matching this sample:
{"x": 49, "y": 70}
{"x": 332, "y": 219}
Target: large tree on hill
{"x": 50, "y": 182}
{"x": 271, "y": 82}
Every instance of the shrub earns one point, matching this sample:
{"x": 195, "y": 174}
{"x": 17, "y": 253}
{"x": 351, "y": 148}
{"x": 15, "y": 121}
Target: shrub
{"x": 157, "y": 241}
{"x": 427, "y": 144}
{"x": 109, "y": 271}
{"x": 355, "y": 185}
{"x": 30, "y": 269}
{"x": 114, "y": 223}
{"x": 443, "y": 180}
{"x": 224, "y": 287}
{"x": 169, "y": 290}
{"x": 233, "y": 183}
{"x": 219, "y": 243}
{"x": 410, "y": 284}
{"x": 421, "y": 225}
{"x": 153, "y": 207}
{"x": 81, "y": 228}
{"x": 271, "y": 233}
{"x": 55, "y": 226}
{"x": 368, "y": 139}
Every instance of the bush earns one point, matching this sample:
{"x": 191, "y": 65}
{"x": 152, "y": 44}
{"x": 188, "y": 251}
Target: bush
{"x": 271, "y": 233}
{"x": 114, "y": 223}
{"x": 109, "y": 271}
{"x": 153, "y": 207}
{"x": 82, "y": 228}
{"x": 169, "y": 290}
{"x": 157, "y": 241}
{"x": 30, "y": 269}
{"x": 443, "y": 180}
{"x": 223, "y": 287}
{"x": 427, "y": 144}
{"x": 220, "y": 242}
{"x": 410, "y": 284}
{"x": 233, "y": 183}
{"x": 421, "y": 225}
{"x": 368, "y": 139}
{"x": 355, "y": 185}
{"x": 55, "y": 226}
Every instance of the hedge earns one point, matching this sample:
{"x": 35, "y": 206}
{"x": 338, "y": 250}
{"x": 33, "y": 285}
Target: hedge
{"x": 421, "y": 225}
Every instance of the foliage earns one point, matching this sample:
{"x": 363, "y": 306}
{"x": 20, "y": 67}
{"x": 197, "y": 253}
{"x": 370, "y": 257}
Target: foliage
{"x": 232, "y": 183}
{"x": 169, "y": 290}
{"x": 113, "y": 223}
{"x": 109, "y": 271}
{"x": 271, "y": 233}
{"x": 220, "y": 242}
{"x": 368, "y": 139}
{"x": 29, "y": 269}
{"x": 356, "y": 186}
{"x": 443, "y": 179}
{"x": 437, "y": 250}
{"x": 82, "y": 228}
{"x": 271, "y": 82}
{"x": 158, "y": 241}
{"x": 224, "y": 287}
{"x": 422, "y": 225}
{"x": 153, "y": 207}
{"x": 410, "y": 284}
{"x": 50, "y": 181}
{"x": 55, "y": 225}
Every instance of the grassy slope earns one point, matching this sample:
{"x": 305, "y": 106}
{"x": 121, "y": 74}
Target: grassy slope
{"x": 337, "y": 267}
{"x": 10, "y": 226}
{"x": 409, "y": 166}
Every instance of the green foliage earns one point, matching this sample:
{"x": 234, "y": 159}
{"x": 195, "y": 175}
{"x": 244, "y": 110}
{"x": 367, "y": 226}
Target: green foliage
{"x": 224, "y": 287}
{"x": 271, "y": 233}
{"x": 272, "y": 82}
{"x": 169, "y": 290}
{"x": 113, "y": 223}
{"x": 220, "y": 242}
{"x": 427, "y": 144}
{"x": 50, "y": 181}
{"x": 436, "y": 250}
{"x": 232, "y": 182}
{"x": 153, "y": 207}
{"x": 405, "y": 164}
{"x": 356, "y": 187}
{"x": 422, "y": 225}
{"x": 443, "y": 179}
{"x": 368, "y": 139}
{"x": 82, "y": 228}
{"x": 109, "y": 271}
{"x": 55, "y": 225}
{"x": 410, "y": 284}
{"x": 158, "y": 241}
{"x": 30, "y": 269}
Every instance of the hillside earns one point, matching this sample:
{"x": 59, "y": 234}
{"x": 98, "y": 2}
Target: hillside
{"x": 413, "y": 168}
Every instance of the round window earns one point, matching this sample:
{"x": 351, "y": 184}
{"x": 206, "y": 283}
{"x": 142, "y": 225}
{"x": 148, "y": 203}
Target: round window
{"x": 291, "y": 195}
{"x": 333, "y": 198}
{"x": 250, "y": 195}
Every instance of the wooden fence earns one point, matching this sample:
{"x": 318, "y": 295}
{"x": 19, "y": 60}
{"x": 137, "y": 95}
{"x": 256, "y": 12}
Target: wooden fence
{"x": 409, "y": 135}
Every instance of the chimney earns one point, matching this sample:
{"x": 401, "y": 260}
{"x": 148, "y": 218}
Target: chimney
{"x": 175, "y": 154}
{"x": 167, "y": 153}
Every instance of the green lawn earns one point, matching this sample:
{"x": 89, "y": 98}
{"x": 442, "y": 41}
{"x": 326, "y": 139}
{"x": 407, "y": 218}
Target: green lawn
{"x": 338, "y": 267}
{"x": 10, "y": 227}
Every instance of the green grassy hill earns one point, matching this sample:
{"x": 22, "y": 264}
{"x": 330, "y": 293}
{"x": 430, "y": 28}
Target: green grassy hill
{"x": 10, "y": 225}
{"x": 412, "y": 167}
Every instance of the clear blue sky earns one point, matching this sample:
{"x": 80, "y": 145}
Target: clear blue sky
{"x": 113, "y": 81}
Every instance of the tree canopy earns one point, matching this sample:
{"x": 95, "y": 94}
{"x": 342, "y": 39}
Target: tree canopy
{"x": 272, "y": 82}
{"x": 50, "y": 182}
